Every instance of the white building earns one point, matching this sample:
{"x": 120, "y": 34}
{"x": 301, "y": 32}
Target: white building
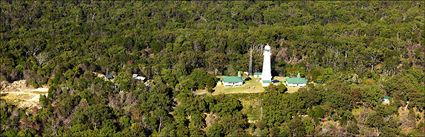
{"x": 266, "y": 75}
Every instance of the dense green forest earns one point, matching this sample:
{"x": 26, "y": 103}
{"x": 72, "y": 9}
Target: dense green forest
{"x": 357, "y": 52}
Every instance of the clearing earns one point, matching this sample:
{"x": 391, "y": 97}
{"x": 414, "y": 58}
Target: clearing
{"x": 250, "y": 86}
{"x": 22, "y": 95}
{"x": 292, "y": 89}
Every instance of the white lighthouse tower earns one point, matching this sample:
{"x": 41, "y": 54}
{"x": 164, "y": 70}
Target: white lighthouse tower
{"x": 266, "y": 76}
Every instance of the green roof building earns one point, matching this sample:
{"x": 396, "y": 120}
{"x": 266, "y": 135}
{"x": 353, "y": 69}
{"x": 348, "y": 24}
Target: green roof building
{"x": 386, "y": 100}
{"x": 296, "y": 81}
{"x": 232, "y": 81}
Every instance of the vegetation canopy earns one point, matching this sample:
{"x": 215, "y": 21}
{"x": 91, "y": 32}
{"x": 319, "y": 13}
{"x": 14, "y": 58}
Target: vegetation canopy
{"x": 353, "y": 54}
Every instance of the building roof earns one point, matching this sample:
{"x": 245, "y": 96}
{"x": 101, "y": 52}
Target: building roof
{"x": 232, "y": 79}
{"x": 136, "y": 76}
{"x": 296, "y": 80}
{"x": 109, "y": 76}
{"x": 267, "y": 81}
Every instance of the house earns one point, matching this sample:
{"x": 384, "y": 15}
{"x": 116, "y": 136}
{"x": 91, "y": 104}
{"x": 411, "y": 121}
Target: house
{"x": 386, "y": 100}
{"x": 137, "y": 77}
{"x": 232, "y": 81}
{"x": 296, "y": 81}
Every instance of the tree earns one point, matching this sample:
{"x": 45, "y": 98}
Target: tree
{"x": 281, "y": 88}
{"x": 215, "y": 131}
{"x": 317, "y": 113}
{"x": 375, "y": 120}
{"x": 297, "y": 127}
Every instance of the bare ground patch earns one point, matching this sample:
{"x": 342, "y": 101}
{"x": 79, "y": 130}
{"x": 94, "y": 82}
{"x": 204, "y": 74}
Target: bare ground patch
{"x": 22, "y": 95}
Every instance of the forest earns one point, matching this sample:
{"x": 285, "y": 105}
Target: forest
{"x": 356, "y": 51}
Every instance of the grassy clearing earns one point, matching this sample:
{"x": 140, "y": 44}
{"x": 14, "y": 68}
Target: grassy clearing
{"x": 251, "y": 86}
{"x": 292, "y": 89}
{"x": 280, "y": 78}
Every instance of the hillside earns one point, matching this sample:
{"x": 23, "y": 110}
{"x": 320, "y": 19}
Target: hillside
{"x": 86, "y": 52}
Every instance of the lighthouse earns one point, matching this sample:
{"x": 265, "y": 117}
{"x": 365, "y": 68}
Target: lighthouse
{"x": 266, "y": 76}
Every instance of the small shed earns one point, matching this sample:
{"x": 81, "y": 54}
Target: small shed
{"x": 386, "y": 100}
{"x": 232, "y": 81}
